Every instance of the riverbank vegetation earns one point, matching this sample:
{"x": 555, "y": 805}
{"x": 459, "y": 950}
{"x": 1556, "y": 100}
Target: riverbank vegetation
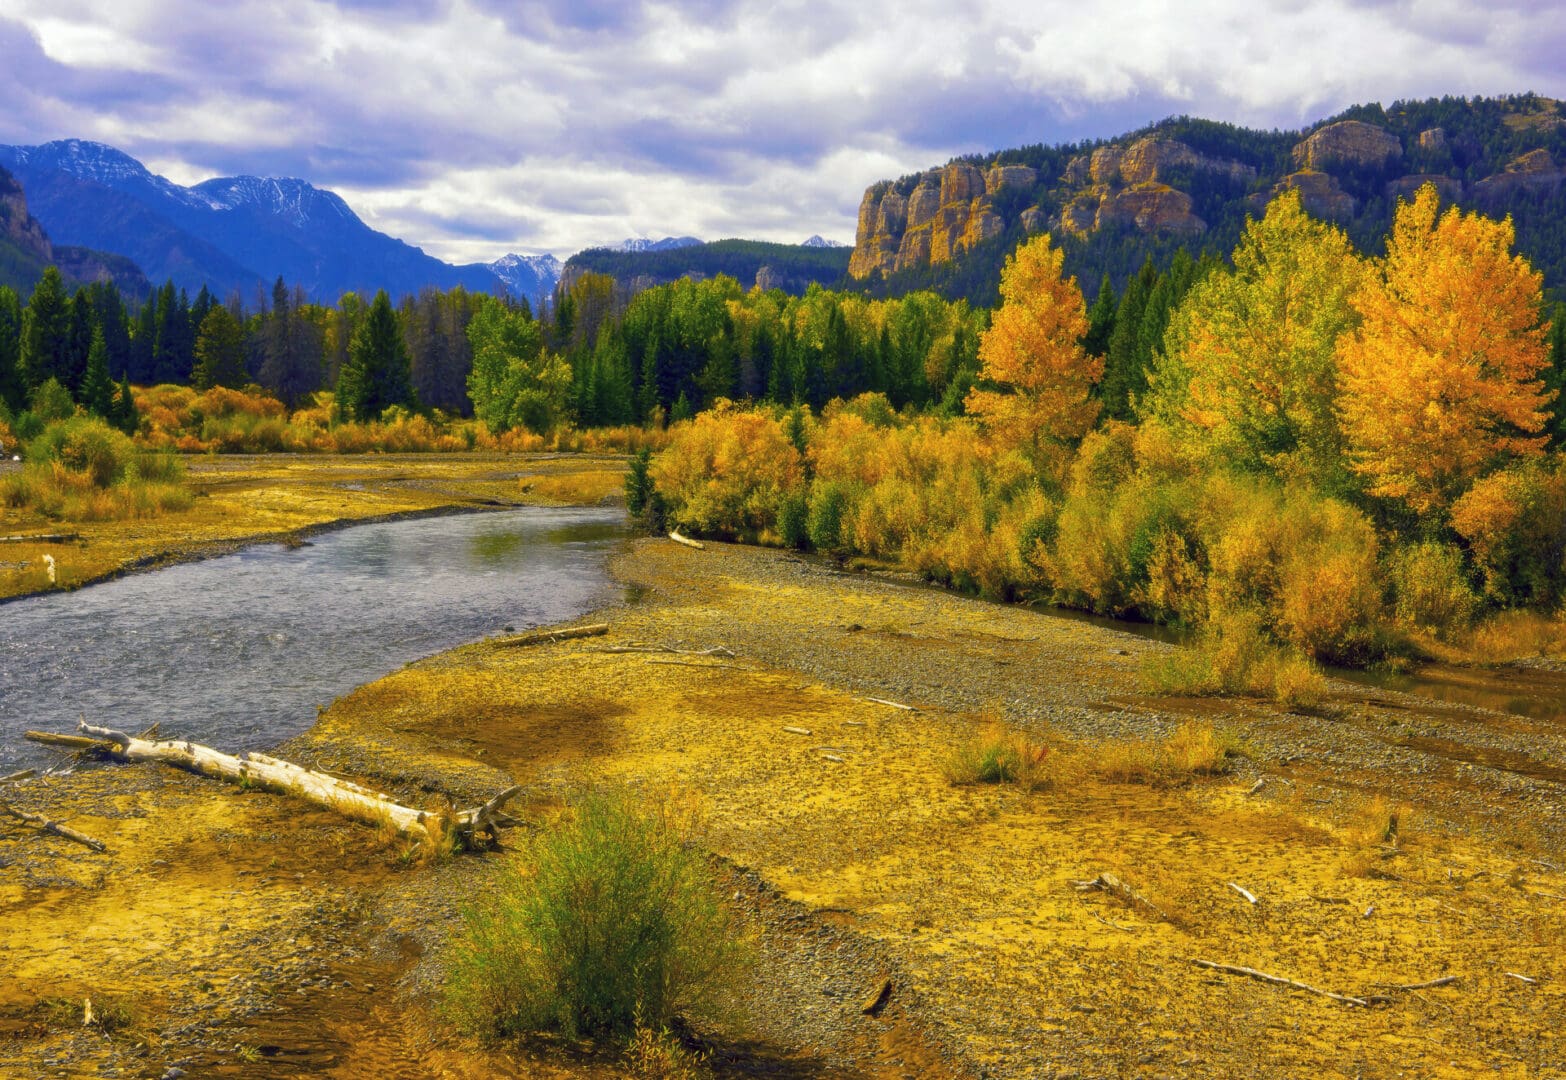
{"x": 1307, "y": 454}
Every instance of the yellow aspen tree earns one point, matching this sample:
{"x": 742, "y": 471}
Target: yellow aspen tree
{"x": 1035, "y": 378}
{"x": 1249, "y": 369}
{"x": 1442, "y": 380}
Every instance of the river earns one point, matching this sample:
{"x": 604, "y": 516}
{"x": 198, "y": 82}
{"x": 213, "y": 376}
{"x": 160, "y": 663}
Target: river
{"x": 239, "y": 651}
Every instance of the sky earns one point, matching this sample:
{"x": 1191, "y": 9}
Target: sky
{"x": 476, "y": 127}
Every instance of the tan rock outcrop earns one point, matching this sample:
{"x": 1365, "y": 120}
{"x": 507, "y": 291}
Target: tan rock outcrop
{"x": 1432, "y": 138}
{"x": 915, "y": 248}
{"x": 1320, "y": 195}
{"x": 1406, "y": 187}
{"x": 924, "y": 202}
{"x": 960, "y": 183}
{"x": 1033, "y": 220}
{"x": 1352, "y": 142}
{"x": 1149, "y": 160}
{"x": 1105, "y": 166}
{"x": 1533, "y": 173}
{"x": 1001, "y": 177}
{"x": 1153, "y": 208}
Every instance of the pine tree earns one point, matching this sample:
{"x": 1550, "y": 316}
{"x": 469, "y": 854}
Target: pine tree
{"x": 13, "y": 390}
{"x": 1555, "y": 378}
{"x": 124, "y": 414}
{"x": 84, "y": 322}
{"x": 97, "y": 392}
{"x": 220, "y": 351}
{"x": 377, "y": 375}
{"x": 172, "y": 342}
{"x": 46, "y": 332}
{"x": 1101, "y": 320}
{"x": 1124, "y": 374}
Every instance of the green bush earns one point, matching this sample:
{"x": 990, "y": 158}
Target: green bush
{"x": 87, "y": 446}
{"x": 1431, "y": 589}
{"x": 616, "y": 926}
{"x": 828, "y": 502}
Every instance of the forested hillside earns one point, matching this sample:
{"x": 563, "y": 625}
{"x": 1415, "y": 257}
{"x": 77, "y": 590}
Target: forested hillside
{"x": 1189, "y": 184}
{"x": 790, "y": 267}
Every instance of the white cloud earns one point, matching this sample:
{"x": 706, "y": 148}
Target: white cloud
{"x": 470, "y": 127}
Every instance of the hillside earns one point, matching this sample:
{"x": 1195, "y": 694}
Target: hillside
{"x": 1190, "y": 183}
{"x": 26, "y": 249}
{"x": 234, "y": 233}
{"x": 790, "y": 267}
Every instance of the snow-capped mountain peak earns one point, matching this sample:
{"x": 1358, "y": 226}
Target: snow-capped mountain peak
{"x": 295, "y": 201}
{"x": 819, "y": 242}
{"x": 642, "y": 243}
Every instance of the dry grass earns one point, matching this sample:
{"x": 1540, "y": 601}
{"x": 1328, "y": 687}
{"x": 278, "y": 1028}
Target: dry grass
{"x": 576, "y": 488}
{"x": 1193, "y": 749}
{"x": 1518, "y": 635}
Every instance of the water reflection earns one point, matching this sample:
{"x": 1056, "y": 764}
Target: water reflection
{"x": 240, "y": 650}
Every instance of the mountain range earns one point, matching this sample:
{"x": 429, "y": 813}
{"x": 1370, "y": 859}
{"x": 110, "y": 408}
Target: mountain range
{"x": 237, "y": 232}
{"x": 1191, "y": 183}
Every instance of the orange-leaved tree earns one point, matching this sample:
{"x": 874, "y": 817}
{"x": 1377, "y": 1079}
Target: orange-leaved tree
{"x": 1035, "y": 378}
{"x": 1441, "y": 381}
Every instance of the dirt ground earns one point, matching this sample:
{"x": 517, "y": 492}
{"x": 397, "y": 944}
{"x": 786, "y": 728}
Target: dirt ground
{"x": 1394, "y": 842}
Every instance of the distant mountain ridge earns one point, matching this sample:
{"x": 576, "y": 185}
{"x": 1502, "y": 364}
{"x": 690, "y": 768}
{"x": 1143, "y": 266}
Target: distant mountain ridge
{"x": 668, "y": 243}
{"x": 237, "y": 232}
{"x": 790, "y": 267}
{"x": 1189, "y": 183}
{"x": 26, "y": 251}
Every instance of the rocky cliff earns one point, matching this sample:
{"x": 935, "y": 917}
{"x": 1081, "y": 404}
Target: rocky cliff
{"x": 18, "y": 228}
{"x": 1179, "y": 181}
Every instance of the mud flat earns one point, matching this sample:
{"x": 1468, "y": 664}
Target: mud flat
{"x": 1407, "y": 855}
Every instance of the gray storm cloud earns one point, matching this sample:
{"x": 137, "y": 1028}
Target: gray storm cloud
{"x": 473, "y": 127}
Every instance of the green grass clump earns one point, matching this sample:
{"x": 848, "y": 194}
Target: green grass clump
{"x": 998, "y": 756}
{"x": 614, "y": 925}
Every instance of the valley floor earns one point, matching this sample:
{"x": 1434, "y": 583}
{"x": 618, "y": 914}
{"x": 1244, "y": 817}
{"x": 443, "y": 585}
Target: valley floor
{"x": 237, "y": 934}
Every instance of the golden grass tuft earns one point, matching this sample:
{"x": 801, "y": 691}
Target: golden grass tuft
{"x": 1193, "y": 749}
{"x": 1000, "y": 756}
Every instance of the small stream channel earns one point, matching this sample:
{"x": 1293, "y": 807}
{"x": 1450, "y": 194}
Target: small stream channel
{"x": 239, "y": 651}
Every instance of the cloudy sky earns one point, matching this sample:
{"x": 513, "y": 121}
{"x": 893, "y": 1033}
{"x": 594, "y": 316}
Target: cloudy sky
{"x": 477, "y": 127}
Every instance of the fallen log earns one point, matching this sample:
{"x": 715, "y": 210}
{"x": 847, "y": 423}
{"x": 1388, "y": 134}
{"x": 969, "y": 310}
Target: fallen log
{"x": 38, "y": 821}
{"x": 18, "y": 777}
{"x": 1114, "y": 886}
{"x": 1278, "y": 980}
{"x": 344, "y": 796}
{"x": 678, "y": 539}
{"x": 539, "y": 637}
{"x": 42, "y": 538}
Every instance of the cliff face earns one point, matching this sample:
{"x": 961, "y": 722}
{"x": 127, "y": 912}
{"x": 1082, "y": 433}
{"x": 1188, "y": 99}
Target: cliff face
{"x": 1189, "y": 179}
{"x": 17, "y": 226}
{"x": 949, "y": 211}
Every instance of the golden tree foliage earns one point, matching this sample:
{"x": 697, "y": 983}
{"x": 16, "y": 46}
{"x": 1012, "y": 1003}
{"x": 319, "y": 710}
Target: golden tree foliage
{"x": 1037, "y": 373}
{"x": 1441, "y": 381}
{"x": 1250, "y": 351}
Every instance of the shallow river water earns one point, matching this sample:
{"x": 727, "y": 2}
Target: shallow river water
{"x": 239, "y": 651}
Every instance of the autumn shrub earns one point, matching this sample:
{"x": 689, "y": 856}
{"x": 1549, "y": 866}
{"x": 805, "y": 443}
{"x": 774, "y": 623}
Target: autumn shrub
{"x": 1514, "y": 522}
{"x": 1430, "y": 588}
{"x": 727, "y": 471}
{"x": 81, "y": 469}
{"x": 615, "y": 924}
{"x": 1236, "y": 656}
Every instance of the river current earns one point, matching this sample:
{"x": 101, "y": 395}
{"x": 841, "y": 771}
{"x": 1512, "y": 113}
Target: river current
{"x": 239, "y": 651}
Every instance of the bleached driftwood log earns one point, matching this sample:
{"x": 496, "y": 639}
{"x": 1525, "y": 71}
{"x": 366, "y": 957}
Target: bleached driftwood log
{"x": 674, "y": 535}
{"x": 537, "y": 637}
{"x": 344, "y": 796}
{"x": 38, "y": 821}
